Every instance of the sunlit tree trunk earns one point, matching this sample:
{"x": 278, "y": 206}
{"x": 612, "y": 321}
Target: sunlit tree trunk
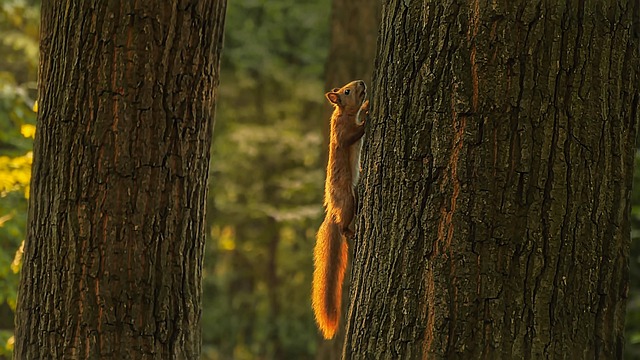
{"x": 497, "y": 173}
{"x": 113, "y": 255}
{"x": 354, "y": 33}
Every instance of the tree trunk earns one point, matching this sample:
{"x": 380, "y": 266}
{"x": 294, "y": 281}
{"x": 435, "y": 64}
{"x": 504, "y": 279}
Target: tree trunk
{"x": 354, "y": 31}
{"x": 113, "y": 255}
{"x": 497, "y": 173}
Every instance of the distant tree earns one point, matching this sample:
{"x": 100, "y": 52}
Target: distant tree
{"x": 266, "y": 182}
{"x": 496, "y": 182}
{"x": 354, "y": 34}
{"x": 113, "y": 255}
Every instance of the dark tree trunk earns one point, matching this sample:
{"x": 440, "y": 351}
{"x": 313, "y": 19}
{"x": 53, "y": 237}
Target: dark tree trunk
{"x": 354, "y": 31}
{"x": 113, "y": 255}
{"x": 497, "y": 174}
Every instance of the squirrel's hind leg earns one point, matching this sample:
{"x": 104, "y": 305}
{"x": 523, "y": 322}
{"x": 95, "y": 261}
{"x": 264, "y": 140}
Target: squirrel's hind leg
{"x": 345, "y": 216}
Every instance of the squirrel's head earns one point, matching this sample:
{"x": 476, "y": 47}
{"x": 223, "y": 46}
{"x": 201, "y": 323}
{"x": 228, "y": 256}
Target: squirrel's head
{"x": 348, "y": 97}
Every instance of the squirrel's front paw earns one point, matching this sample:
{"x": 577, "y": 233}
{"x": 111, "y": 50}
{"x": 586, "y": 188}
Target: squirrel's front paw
{"x": 365, "y": 106}
{"x": 364, "y": 111}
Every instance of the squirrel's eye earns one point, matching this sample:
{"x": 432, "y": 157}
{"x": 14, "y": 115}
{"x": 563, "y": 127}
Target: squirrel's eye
{"x": 346, "y": 92}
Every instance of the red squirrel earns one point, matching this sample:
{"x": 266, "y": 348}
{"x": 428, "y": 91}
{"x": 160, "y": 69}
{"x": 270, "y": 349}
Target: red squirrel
{"x": 343, "y": 170}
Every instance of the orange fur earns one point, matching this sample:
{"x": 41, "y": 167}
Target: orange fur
{"x": 330, "y": 253}
{"x": 330, "y": 262}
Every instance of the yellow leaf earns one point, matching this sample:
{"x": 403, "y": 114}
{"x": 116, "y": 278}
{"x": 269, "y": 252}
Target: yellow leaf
{"x": 15, "y": 173}
{"x": 28, "y": 131}
{"x": 35, "y": 106}
{"x": 227, "y": 239}
{"x": 4, "y": 219}
{"x": 17, "y": 260}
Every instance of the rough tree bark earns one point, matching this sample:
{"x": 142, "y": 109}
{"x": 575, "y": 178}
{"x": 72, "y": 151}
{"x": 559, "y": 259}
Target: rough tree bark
{"x": 354, "y": 31}
{"x": 497, "y": 173}
{"x": 113, "y": 255}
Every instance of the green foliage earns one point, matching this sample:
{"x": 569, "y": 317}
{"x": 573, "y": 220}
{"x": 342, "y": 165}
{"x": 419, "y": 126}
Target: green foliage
{"x": 632, "y": 349}
{"x": 266, "y": 182}
{"x": 19, "y": 27}
{"x": 266, "y": 174}
{"x": 19, "y": 21}
{"x": 266, "y": 178}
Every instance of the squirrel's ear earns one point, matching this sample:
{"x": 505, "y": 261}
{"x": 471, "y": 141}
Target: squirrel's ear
{"x": 335, "y": 90}
{"x": 333, "y": 97}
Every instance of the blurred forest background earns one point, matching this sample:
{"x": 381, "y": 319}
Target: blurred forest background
{"x": 266, "y": 181}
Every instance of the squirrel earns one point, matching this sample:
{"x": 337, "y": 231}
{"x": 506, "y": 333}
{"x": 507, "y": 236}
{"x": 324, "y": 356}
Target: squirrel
{"x": 343, "y": 170}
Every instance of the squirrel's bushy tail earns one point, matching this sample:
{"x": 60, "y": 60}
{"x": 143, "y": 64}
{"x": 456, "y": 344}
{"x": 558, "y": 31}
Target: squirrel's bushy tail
{"x": 330, "y": 262}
